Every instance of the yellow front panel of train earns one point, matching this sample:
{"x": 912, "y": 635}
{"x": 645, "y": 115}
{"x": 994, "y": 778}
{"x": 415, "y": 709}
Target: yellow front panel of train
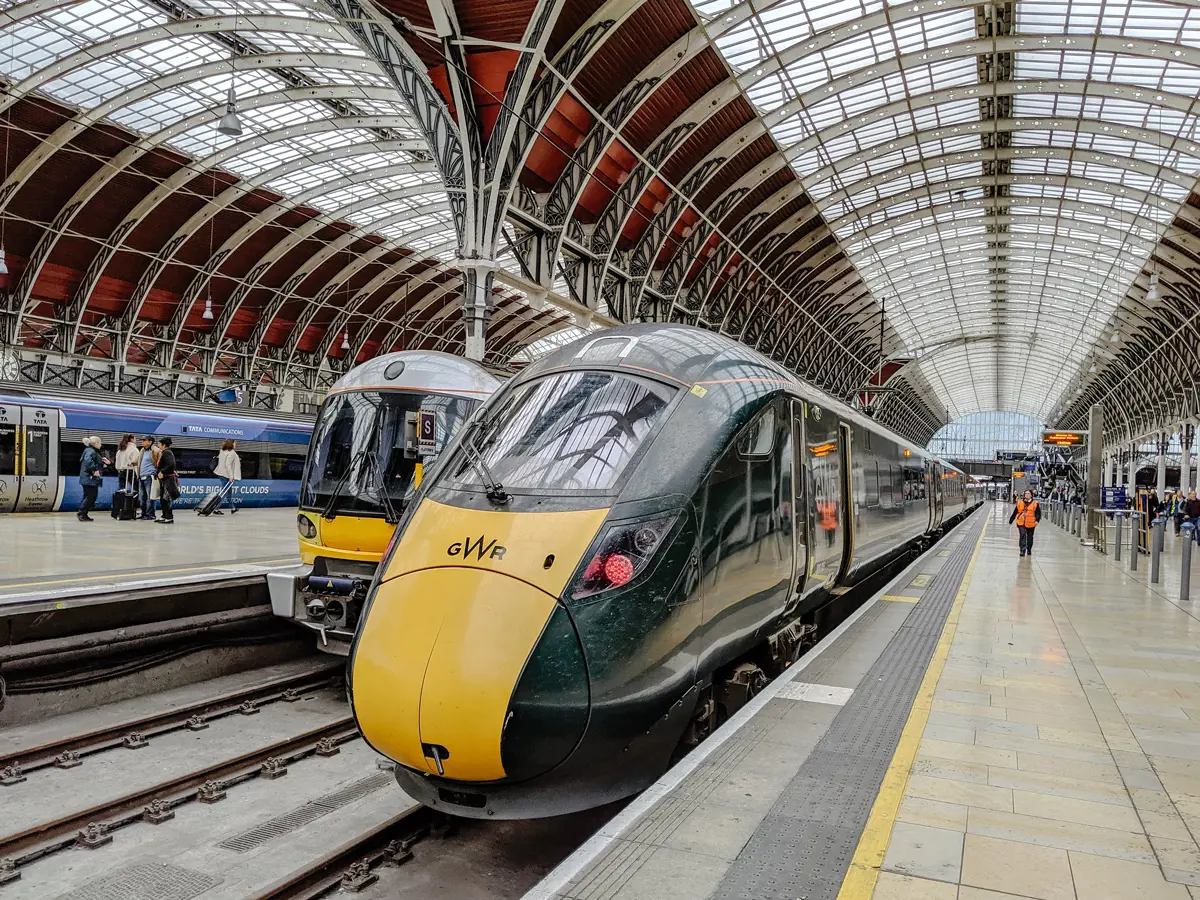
{"x": 358, "y": 534}
{"x": 516, "y": 544}
{"x": 451, "y": 626}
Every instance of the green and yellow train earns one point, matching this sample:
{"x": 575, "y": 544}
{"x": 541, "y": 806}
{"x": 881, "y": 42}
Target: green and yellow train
{"x": 620, "y": 548}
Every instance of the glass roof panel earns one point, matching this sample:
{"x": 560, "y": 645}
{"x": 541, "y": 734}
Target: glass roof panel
{"x": 170, "y": 90}
{"x": 972, "y": 214}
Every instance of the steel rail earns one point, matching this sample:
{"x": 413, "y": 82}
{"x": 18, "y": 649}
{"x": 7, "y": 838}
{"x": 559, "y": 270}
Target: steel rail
{"x": 349, "y": 866}
{"x": 92, "y": 827}
{"x": 65, "y": 752}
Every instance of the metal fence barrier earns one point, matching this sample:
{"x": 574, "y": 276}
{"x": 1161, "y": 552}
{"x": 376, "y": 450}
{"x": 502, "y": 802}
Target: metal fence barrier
{"x": 1100, "y": 529}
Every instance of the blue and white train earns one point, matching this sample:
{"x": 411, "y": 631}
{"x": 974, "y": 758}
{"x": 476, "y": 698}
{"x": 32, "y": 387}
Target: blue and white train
{"x": 41, "y": 442}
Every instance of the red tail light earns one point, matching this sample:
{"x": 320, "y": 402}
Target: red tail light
{"x": 624, "y": 553}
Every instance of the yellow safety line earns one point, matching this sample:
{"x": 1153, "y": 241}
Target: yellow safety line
{"x": 898, "y": 598}
{"x": 150, "y": 572}
{"x": 859, "y": 883}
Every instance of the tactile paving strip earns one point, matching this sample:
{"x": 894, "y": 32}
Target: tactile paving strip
{"x": 803, "y": 846}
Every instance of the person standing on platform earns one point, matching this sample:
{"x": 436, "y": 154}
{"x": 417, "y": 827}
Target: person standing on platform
{"x": 91, "y": 473}
{"x": 229, "y": 467}
{"x": 168, "y": 481}
{"x": 1191, "y": 509}
{"x": 148, "y": 475}
{"x": 126, "y": 463}
{"x": 1026, "y": 513}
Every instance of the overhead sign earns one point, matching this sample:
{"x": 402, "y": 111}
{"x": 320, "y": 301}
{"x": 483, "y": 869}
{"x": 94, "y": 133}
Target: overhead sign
{"x": 1063, "y": 438}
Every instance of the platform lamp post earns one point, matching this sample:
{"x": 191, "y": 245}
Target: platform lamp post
{"x": 1096, "y": 465}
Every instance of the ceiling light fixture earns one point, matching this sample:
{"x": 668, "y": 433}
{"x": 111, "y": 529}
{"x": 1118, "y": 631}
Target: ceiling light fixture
{"x": 207, "y": 315}
{"x": 1115, "y": 337}
{"x": 230, "y": 123}
{"x": 345, "y": 340}
{"x": 1152, "y": 292}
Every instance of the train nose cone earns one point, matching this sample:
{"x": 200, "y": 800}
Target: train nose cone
{"x": 438, "y": 661}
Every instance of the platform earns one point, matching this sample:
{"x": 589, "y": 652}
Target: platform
{"x": 986, "y": 728}
{"x": 51, "y": 556}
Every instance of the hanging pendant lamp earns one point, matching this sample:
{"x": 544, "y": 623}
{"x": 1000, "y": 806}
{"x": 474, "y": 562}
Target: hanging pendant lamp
{"x": 207, "y": 315}
{"x": 230, "y": 123}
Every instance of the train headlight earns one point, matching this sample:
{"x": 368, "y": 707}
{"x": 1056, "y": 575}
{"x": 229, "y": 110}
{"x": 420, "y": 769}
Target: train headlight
{"x": 307, "y": 529}
{"x": 625, "y": 552}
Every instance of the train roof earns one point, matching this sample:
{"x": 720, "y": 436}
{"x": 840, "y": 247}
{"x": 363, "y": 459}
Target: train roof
{"x": 688, "y": 354}
{"x": 420, "y": 370}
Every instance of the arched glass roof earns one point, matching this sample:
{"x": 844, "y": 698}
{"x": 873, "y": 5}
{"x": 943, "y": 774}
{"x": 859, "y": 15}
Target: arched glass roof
{"x": 976, "y": 437}
{"x": 1000, "y": 174}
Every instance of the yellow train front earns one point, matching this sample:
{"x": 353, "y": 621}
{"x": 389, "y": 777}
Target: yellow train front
{"x": 613, "y": 556}
{"x": 381, "y": 426}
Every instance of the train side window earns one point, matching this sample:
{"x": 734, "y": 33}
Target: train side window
{"x": 758, "y": 440}
{"x": 8, "y": 449}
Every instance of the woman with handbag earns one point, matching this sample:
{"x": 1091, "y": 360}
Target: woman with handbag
{"x": 168, "y": 481}
{"x": 229, "y": 467}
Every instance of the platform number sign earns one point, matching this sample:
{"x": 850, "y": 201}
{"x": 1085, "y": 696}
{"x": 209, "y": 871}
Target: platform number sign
{"x": 427, "y": 432}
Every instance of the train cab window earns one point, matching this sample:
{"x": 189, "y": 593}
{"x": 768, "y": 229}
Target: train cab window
{"x": 575, "y": 431}
{"x": 360, "y": 460}
{"x": 759, "y": 439}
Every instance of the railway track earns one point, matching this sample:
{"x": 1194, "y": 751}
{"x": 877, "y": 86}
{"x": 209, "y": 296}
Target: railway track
{"x": 93, "y": 826}
{"x": 353, "y": 866}
{"x": 69, "y": 752}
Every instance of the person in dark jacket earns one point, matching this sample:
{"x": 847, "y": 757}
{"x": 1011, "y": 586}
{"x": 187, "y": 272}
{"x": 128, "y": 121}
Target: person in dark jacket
{"x": 1191, "y": 509}
{"x": 168, "y": 481}
{"x": 1027, "y": 512}
{"x": 91, "y": 473}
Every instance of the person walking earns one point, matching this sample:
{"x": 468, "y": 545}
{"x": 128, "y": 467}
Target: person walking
{"x": 91, "y": 474}
{"x": 126, "y": 464}
{"x": 1027, "y": 512}
{"x": 148, "y": 477}
{"x": 229, "y": 467}
{"x": 168, "y": 481}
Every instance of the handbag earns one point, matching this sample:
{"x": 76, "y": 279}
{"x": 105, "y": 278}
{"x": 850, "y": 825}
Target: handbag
{"x": 171, "y": 486}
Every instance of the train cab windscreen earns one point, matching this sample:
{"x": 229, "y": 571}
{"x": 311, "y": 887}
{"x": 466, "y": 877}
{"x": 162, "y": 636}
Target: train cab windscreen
{"x": 364, "y": 449}
{"x": 570, "y": 432}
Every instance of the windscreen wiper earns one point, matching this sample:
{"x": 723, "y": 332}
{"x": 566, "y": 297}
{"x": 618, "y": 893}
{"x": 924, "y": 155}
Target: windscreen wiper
{"x": 385, "y": 500}
{"x": 329, "y": 511}
{"x": 495, "y": 491}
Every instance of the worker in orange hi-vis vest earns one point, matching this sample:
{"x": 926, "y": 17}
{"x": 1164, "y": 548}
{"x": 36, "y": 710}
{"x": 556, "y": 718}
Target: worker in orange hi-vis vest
{"x": 1026, "y": 513}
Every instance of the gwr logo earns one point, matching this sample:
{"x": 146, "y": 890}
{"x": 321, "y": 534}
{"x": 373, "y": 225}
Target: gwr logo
{"x": 480, "y": 547}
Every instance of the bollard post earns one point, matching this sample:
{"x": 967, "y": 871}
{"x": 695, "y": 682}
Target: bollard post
{"x": 1134, "y": 519}
{"x": 1156, "y": 546}
{"x": 1118, "y": 518}
{"x": 1185, "y": 576}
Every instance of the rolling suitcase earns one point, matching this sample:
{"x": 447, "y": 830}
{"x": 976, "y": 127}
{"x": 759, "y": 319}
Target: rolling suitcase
{"x": 210, "y": 503}
{"x": 125, "y": 504}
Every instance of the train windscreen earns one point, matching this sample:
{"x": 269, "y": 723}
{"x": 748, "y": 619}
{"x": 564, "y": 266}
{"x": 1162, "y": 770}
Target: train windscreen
{"x": 575, "y": 431}
{"x": 361, "y": 460}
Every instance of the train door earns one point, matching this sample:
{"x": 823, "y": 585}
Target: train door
{"x": 10, "y": 456}
{"x": 938, "y": 511}
{"x": 824, "y": 457}
{"x": 794, "y": 484}
{"x": 931, "y": 495}
{"x": 32, "y": 434}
